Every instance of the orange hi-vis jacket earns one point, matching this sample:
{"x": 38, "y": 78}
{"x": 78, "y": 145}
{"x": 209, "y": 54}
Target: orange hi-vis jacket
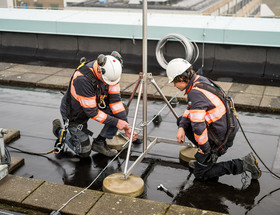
{"x": 85, "y": 97}
{"x": 205, "y": 111}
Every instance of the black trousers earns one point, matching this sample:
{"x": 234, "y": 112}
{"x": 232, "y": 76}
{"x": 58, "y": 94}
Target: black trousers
{"x": 212, "y": 171}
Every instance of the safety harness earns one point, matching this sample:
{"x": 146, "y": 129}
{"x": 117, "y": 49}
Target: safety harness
{"x": 87, "y": 72}
{"x": 220, "y": 147}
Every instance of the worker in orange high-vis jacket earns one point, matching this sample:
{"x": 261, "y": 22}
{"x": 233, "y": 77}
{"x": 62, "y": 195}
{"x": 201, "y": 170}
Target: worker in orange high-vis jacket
{"x": 93, "y": 93}
{"x": 209, "y": 123}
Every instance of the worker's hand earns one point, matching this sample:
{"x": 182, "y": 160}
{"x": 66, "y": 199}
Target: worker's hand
{"x": 122, "y": 124}
{"x": 128, "y": 134}
{"x": 181, "y": 135}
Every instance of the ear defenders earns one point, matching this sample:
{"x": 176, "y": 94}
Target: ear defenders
{"x": 101, "y": 61}
{"x": 117, "y": 56}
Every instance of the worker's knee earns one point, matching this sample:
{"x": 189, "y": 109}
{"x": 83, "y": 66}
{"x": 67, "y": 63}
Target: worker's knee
{"x": 85, "y": 148}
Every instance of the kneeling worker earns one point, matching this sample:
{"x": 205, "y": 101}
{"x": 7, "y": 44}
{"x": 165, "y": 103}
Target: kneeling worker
{"x": 209, "y": 123}
{"x": 93, "y": 92}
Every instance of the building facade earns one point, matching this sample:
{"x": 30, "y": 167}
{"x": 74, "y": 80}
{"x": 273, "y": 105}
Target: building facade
{"x": 39, "y": 4}
{"x": 241, "y": 8}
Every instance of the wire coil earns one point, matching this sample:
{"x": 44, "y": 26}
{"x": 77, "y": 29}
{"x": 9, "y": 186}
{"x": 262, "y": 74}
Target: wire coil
{"x": 191, "y": 49}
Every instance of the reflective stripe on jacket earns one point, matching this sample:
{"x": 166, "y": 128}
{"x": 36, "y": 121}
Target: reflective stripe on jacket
{"x": 205, "y": 108}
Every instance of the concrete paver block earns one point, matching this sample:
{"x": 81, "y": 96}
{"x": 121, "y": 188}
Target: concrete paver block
{"x": 4, "y": 66}
{"x": 16, "y": 162}
{"x": 22, "y": 68}
{"x": 12, "y": 135}
{"x": 124, "y": 86}
{"x": 58, "y": 82}
{"x": 169, "y": 92}
{"x": 51, "y": 196}
{"x": 47, "y": 70}
{"x": 270, "y": 104}
{"x": 116, "y": 204}
{"x": 12, "y": 189}
{"x": 28, "y": 78}
{"x": 176, "y": 209}
{"x": 272, "y": 91}
{"x": 224, "y": 85}
{"x": 238, "y": 88}
{"x": 132, "y": 78}
{"x": 248, "y": 101}
{"x": 6, "y": 75}
{"x": 67, "y": 72}
{"x": 255, "y": 89}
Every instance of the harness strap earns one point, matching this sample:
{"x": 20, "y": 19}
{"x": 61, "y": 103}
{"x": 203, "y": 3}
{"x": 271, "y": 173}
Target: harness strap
{"x": 218, "y": 91}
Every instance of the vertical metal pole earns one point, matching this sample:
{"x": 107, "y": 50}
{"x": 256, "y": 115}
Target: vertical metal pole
{"x": 144, "y": 64}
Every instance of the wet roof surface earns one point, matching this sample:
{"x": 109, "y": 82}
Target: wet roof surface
{"x": 32, "y": 110}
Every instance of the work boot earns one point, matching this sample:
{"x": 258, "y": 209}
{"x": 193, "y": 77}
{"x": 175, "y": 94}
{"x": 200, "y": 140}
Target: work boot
{"x": 250, "y": 164}
{"x": 56, "y": 127}
{"x": 102, "y": 147}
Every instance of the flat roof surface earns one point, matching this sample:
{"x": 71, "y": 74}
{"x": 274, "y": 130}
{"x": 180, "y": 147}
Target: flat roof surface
{"x": 32, "y": 110}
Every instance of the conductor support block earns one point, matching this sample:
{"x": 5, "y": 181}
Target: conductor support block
{"x": 3, "y": 171}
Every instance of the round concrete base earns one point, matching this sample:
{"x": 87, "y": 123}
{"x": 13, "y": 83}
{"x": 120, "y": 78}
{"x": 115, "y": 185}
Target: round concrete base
{"x": 187, "y": 153}
{"x": 133, "y": 186}
{"x": 117, "y": 142}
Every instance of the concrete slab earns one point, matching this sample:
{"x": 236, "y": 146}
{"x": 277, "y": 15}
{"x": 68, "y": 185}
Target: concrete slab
{"x": 4, "y": 66}
{"x": 57, "y": 82}
{"x": 28, "y": 79}
{"x": 247, "y": 101}
{"x": 272, "y": 91}
{"x": 16, "y": 162}
{"x": 124, "y": 86}
{"x": 7, "y": 74}
{"x": 169, "y": 92}
{"x": 46, "y": 70}
{"x": 12, "y": 135}
{"x": 238, "y": 88}
{"x": 14, "y": 189}
{"x": 131, "y": 78}
{"x": 115, "y": 204}
{"x": 22, "y": 68}
{"x": 225, "y": 85}
{"x": 65, "y": 72}
{"x": 255, "y": 89}
{"x": 176, "y": 209}
{"x": 270, "y": 104}
{"x": 50, "y": 196}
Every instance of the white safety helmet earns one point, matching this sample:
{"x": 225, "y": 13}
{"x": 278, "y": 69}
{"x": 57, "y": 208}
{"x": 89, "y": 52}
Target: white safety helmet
{"x": 176, "y": 67}
{"x": 111, "y": 68}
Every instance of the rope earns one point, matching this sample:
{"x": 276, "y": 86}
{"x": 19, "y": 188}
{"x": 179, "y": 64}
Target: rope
{"x": 31, "y": 153}
{"x": 94, "y": 179}
{"x": 277, "y": 176}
